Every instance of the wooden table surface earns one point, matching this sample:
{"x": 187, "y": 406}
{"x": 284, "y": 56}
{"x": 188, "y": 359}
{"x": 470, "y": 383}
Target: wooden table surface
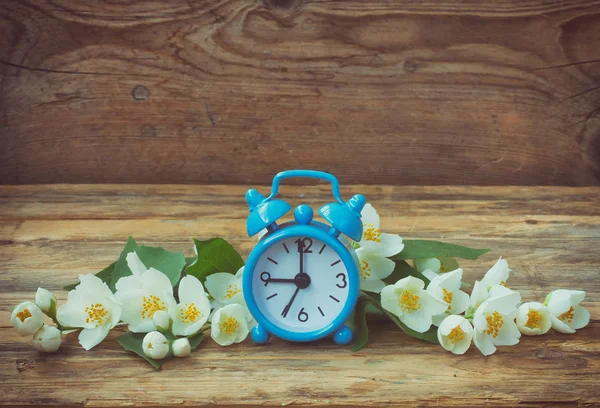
{"x": 550, "y": 236}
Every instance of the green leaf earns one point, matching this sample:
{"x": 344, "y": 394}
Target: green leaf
{"x": 104, "y": 275}
{"x": 361, "y": 330}
{"x": 133, "y": 342}
{"x": 401, "y": 271}
{"x": 214, "y": 255}
{"x": 196, "y": 339}
{"x": 429, "y": 336}
{"x": 121, "y": 268}
{"x": 417, "y": 248}
{"x": 169, "y": 263}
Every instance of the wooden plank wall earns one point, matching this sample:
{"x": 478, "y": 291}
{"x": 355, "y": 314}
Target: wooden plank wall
{"x": 231, "y": 91}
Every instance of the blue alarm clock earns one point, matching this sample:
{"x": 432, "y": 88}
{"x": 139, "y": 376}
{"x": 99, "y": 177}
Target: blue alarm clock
{"x": 301, "y": 281}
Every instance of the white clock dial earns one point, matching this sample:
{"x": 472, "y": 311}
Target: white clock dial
{"x": 299, "y": 302}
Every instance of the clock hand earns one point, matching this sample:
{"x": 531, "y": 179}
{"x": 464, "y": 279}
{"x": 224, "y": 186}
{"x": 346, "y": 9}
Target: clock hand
{"x": 281, "y": 280}
{"x": 289, "y": 305}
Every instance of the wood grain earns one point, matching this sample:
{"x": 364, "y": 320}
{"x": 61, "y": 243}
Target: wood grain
{"x": 232, "y": 91}
{"x": 550, "y": 236}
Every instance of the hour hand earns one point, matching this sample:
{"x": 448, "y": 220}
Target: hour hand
{"x": 266, "y": 278}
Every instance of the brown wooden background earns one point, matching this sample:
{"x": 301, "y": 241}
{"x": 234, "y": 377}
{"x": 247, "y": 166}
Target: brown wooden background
{"x": 399, "y": 92}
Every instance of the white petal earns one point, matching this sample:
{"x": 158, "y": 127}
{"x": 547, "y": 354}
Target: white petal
{"x": 560, "y": 302}
{"x": 460, "y": 302}
{"x": 479, "y": 294}
{"x": 72, "y": 314}
{"x": 419, "y": 320}
{"x": 93, "y": 286}
{"x": 581, "y": 318}
{"x": 217, "y": 284}
{"x": 449, "y": 281}
{"x": 389, "y": 300}
{"x": 432, "y": 264}
{"x": 560, "y": 326}
{"x": 157, "y": 283}
{"x": 429, "y": 274}
{"x": 498, "y": 274}
{"x": 378, "y": 265}
{"x": 508, "y": 335}
{"x": 577, "y": 296}
{"x": 130, "y": 282}
{"x": 432, "y": 304}
{"x": 369, "y": 216}
{"x": 135, "y": 264}
{"x": 449, "y": 323}
{"x": 484, "y": 343}
{"x": 391, "y": 244}
{"x": 89, "y": 338}
{"x": 372, "y": 285}
{"x": 411, "y": 283}
{"x": 498, "y": 290}
{"x": 504, "y": 304}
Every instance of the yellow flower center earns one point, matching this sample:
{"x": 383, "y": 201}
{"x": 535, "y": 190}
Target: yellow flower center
{"x": 96, "y": 314}
{"x": 365, "y": 269}
{"x": 409, "y": 302}
{"x": 568, "y": 315}
{"x": 534, "y": 319}
{"x": 371, "y": 233}
{"x": 503, "y": 283}
{"x": 494, "y": 324}
{"x": 443, "y": 268}
{"x": 232, "y": 290}
{"x": 152, "y": 304}
{"x": 456, "y": 335}
{"x": 190, "y": 313}
{"x": 24, "y": 314}
{"x": 149, "y": 345}
{"x": 448, "y": 298}
{"x": 229, "y": 325}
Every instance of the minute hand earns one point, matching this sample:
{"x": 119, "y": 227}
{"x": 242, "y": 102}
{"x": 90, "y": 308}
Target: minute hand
{"x": 289, "y": 305}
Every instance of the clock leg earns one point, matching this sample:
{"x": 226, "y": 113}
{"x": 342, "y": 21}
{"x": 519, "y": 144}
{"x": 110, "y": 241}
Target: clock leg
{"x": 343, "y": 335}
{"x": 260, "y": 335}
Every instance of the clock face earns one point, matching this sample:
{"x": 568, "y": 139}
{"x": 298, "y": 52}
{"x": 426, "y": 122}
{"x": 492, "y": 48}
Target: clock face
{"x": 300, "y": 284}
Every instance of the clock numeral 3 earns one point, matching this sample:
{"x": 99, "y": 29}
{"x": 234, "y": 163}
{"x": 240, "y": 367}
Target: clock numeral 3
{"x": 306, "y": 244}
{"x": 344, "y": 283}
{"x": 302, "y": 316}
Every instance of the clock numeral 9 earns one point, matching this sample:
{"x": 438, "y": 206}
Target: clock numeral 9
{"x": 302, "y": 316}
{"x": 306, "y": 244}
{"x": 344, "y": 283}
{"x": 265, "y": 277}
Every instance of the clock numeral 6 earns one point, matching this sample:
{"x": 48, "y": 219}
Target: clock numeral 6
{"x": 302, "y": 316}
{"x": 344, "y": 283}
{"x": 306, "y": 244}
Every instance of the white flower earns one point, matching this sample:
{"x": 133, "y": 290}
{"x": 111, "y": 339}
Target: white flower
{"x": 226, "y": 289}
{"x": 447, "y": 287}
{"x": 455, "y": 334}
{"x": 143, "y": 294}
{"x": 494, "y": 323}
{"x": 375, "y": 240}
{"x": 181, "y": 347}
{"x": 193, "y": 310}
{"x": 155, "y": 345}
{"x": 91, "y": 306}
{"x": 45, "y": 300}
{"x": 566, "y": 313}
{"x": 431, "y": 267}
{"x": 27, "y": 318}
{"x": 373, "y": 268}
{"x": 229, "y": 325}
{"x": 413, "y": 305}
{"x": 533, "y": 319}
{"x": 162, "y": 320}
{"x": 47, "y": 339}
{"x": 492, "y": 285}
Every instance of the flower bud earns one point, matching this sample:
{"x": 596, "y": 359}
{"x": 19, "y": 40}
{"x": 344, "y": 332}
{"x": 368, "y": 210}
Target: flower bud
{"x": 27, "y": 318}
{"x": 533, "y": 319}
{"x": 47, "y": 339}
{"x": 155, "y": 345}
{"x": 45, "y": 300}
{"x": 455, "y": 334}
{"x": 182, "y": 347}
{"x": 162, "y": 320}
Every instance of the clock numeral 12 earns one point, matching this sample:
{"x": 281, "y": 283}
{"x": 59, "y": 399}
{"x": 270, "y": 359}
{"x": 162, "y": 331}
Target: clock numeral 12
{"x": 304, "y": 245}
